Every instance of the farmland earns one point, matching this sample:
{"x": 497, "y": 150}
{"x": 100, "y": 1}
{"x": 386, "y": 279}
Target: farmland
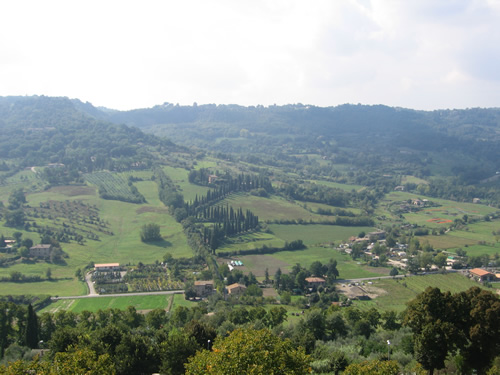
{"x": 394, "y": 294}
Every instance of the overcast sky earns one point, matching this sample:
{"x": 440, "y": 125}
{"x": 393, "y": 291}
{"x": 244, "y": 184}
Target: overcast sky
{"x": 422, "y": 54}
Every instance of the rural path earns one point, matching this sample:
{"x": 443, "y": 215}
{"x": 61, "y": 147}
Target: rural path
{"x": 180, "y": 291}
{"x": 90, "y": 284}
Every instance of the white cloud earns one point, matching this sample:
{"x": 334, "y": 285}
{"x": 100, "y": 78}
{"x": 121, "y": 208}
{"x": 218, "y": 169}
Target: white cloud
{"x": 130, "y": 54}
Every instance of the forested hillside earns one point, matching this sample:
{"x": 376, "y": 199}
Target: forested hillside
{"x": 37, "y": 131}
{"x": 301, "y": 231}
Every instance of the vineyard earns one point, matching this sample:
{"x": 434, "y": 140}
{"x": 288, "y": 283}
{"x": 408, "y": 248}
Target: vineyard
{"x": 112, "y": 186}
{"x": 79, "y": 221}
{"x": 150, "y": 278}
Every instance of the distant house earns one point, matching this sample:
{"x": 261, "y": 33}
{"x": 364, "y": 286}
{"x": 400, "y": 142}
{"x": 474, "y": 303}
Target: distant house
{"x": 399, "y": 188}
{"x": 204, "y": 288}
{"x": 236, "y": 289}
{"x": 212, "y": 178}
{"x": 417, "y": 202}
{"x": 476, "y": 200}
{"x": 41, "y": 251}
{"x": 106, "y": 267}
{"x": 482, "y": 275}
{"x": 315, "y": 282}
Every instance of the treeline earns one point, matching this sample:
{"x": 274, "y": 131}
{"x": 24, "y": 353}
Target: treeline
{"x": 228, "y": 185}
{"x": 242, "y": 182}
{"x": 289, "y": 246}
{"x": 456, "y": 332}
{"x": 167, "y": 190}
{"x": 226, "y": 225}
{"x": 358, "y": 221}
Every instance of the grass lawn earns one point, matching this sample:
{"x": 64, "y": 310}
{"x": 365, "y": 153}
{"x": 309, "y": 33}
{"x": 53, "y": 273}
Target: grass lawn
{"x": 102, "y": 303}
{"x": 274, "y": 208}
{"x": 180, "y": 177}
{"x": 337, "y": 185}
{"x": 70, "y": 287}
{"x": 347, "y": 267}
{"x": 316, "y": 234}
{"x": 179, "y": 300}
{"x": 124, "y": 246}
{"x": 399, "y": 292}
{"x": 252, "y": 241}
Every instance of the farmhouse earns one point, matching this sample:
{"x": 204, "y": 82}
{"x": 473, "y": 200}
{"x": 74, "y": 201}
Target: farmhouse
{"x": 212, "y": 178}
{"x": 417, "y": 202}
{"x": 106, "y": 267}
{"x": 481, "y": 275}
{"x": 204, "y": 288}
{"x": 236, "y": 289}
{"x": 315, "y": 282}
{"x": 41, "y": 251}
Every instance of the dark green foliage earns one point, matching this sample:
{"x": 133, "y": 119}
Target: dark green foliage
{"x": 468, "y": 322}
{"x": 150, "y": 232}
{"x": 31, "y": 328}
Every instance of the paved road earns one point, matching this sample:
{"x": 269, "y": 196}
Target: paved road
{"x": 90, "y": 284}
{"x": 180, "y": 291}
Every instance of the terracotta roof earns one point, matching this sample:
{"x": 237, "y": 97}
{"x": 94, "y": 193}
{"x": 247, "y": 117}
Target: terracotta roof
{"x": 98, "y": 265}
{"x": 235, "y": 285}
{"x": 480, "y": 272}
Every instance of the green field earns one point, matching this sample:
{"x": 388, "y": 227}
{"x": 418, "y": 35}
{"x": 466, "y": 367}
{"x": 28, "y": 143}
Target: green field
{"x": 180, "y": 177}
{"x": 337, "y": 185}
{"x": 124, "y": 246}
{"x": 287, "y": 259}
{"x": 396, "y": 293}
{"x": 316, "y": 234}
{"x": 141, "y": 303}
{"x": 101, "y": 303}
{"x": 274, "y": 208}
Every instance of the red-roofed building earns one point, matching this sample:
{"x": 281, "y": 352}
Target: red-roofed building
{"x": 106, "y": 267}
{"x": 482, "y": 275}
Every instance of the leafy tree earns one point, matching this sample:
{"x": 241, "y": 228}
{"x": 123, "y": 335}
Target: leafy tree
{"x": 175, "y": 351}
{"x": 375, "y": 367}
{"x": 249, "y": 351}
{"x": 394, "y": 272}
{"x": 430, "y": 316}
{"x": 14, "y": 218}
{"x": 440, "y": 260}
{"x": 16, "y": 199}
{"x": 150, "y": 232}
{"x": 254, "y": 291}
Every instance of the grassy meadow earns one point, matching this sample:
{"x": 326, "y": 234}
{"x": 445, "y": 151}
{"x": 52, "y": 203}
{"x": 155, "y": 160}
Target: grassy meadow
{"x": 140, "y": 303}
{"x": 124, "y": 246}
{"x": 395, "y": 293}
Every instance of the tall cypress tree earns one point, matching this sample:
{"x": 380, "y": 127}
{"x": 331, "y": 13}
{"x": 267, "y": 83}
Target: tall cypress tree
{"x": 31, "y": 336}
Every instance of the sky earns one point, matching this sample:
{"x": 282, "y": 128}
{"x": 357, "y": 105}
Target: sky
{"x": 420, "y": 54}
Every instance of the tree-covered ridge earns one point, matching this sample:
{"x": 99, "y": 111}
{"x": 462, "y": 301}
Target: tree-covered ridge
{"x": 374, "y": 140}
{"x": 39, "y": 131}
